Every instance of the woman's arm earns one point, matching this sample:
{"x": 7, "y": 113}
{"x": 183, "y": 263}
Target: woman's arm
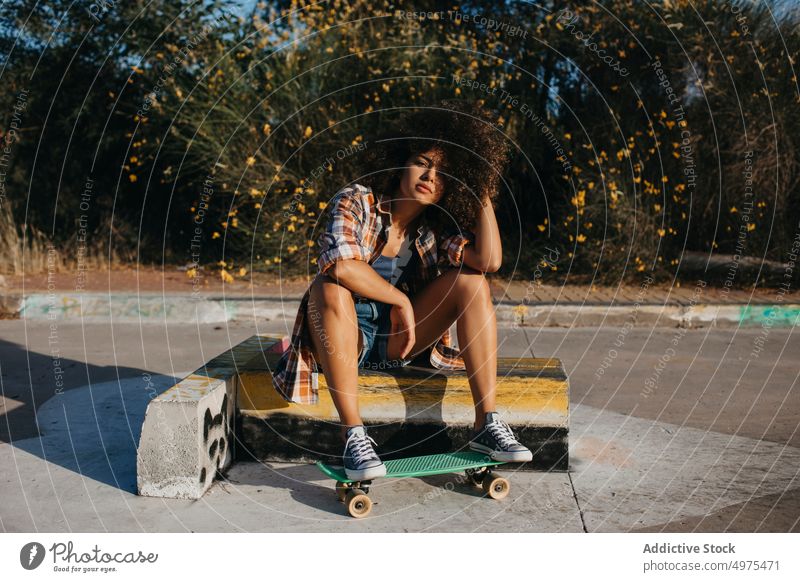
{"x": 486, "y": 254}
{"x": 343, "y": 258}
{"x": 343, "y": 255}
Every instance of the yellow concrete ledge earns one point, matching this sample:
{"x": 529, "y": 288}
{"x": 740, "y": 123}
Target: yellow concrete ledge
{"x": 532, "y": 391}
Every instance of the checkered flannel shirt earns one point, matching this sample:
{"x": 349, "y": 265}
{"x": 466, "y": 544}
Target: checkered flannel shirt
{"x": 357, "y": 230}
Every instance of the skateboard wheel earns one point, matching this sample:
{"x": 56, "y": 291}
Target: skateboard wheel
{"x": 341, "y": 491}
{"x": 358, "y": 503}
{"x": 495, "y": 487}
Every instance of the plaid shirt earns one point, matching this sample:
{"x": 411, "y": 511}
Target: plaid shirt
{"x": 357, "y": 230}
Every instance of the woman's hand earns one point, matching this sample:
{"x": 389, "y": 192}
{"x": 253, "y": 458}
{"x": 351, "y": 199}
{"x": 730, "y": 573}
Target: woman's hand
{"x": 402, "y": 318}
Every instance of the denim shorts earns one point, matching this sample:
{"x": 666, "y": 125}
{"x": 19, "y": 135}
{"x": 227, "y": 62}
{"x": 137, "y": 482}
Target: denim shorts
{"x": 375, "y": 324}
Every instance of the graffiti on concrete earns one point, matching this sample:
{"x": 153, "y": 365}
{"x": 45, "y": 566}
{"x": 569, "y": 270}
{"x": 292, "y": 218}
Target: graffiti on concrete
{"x": 216, "y": 441}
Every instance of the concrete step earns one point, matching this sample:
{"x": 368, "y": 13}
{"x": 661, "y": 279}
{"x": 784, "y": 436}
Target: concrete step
{"x": 409, "y": 411}
{"x": 187, "y": 437}
{"x": 192, "y": 434}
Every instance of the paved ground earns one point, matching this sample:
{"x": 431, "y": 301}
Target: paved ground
{"x": 702, "y": 438}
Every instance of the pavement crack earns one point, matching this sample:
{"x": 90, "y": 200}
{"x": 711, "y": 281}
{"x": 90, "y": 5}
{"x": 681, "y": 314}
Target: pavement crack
{"x": 528, "y": 341}
{"x": 577, "y": 503}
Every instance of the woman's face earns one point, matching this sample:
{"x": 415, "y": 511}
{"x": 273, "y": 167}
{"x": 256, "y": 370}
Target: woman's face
{"x": 422, "y": 178}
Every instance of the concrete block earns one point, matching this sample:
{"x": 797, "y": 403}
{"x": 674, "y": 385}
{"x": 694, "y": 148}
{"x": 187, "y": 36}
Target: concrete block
{"x": 410, "y": 411}
{"x": 187, "y": 436}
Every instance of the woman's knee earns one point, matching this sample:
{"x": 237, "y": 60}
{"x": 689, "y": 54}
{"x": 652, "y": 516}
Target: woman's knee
{"x": 329, "y": 296}
{"x": 471, "y": 289}
{"x": 472, "y": 284}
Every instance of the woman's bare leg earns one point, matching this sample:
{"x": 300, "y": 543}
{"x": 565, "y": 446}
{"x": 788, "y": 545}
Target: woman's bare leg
{"x": 337, "y": 343}
{"x": 461, "y": 295}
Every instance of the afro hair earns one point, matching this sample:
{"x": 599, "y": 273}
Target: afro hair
{"x": 475, "y": 157}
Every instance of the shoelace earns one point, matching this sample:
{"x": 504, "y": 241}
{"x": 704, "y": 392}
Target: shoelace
{"x": 360, "y": 448}
{"x": 502, "y": 434}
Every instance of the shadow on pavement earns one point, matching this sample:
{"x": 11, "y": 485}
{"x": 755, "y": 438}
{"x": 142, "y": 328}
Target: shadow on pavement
{"x": 298, "y": 479}
{"x": 82, "y": 417}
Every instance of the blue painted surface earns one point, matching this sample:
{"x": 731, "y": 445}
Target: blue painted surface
{"x": 771, "y": 315}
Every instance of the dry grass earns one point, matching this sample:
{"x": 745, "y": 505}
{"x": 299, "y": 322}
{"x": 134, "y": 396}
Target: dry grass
{"x": 29, "y": 251}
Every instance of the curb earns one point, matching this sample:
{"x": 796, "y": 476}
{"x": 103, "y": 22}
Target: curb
{"x": 132, "y": 308}
{"x": 669, "y": 316}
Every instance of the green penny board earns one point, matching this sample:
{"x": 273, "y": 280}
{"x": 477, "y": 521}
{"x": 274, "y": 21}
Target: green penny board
{"x": 421, "y": 466}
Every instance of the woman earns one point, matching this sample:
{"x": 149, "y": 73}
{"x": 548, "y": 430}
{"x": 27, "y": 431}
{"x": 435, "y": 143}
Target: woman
{"x": 405, "y": 251}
